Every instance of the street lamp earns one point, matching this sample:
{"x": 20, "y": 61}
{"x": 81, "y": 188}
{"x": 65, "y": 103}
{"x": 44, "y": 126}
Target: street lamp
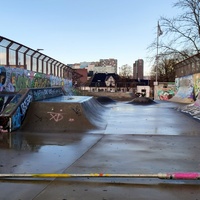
{"x": 39, "y": 49}
{"x": 98, "y": 84}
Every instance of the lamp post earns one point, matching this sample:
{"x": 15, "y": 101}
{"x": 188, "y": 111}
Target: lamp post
{"x": 98, "y": 84}
{"x": 39, "y": 49}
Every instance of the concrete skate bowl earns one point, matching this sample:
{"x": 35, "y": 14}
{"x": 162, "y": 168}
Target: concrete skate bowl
{"x": 65, "y": 116}
{"x": 142, "y": 101}
{"x": 105, "y": 100}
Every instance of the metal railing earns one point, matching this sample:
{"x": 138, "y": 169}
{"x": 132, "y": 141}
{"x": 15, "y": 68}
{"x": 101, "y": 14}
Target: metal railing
{"x": 14, "y": 54}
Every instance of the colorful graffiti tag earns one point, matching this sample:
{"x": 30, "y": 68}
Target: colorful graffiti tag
{"x": 19, "y": 102}
{"x": 166, "y": 91}
{"x": 166, "y": 94}
{"x": 14, "y": 79}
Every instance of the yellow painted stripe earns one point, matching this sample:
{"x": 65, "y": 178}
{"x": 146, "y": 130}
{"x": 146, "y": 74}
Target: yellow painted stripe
{"x": 52, "y": 175}
{"x": 70, "y": 175}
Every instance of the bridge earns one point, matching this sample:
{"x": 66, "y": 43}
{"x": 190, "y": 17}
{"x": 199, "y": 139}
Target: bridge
{"x": 28, "y": 75}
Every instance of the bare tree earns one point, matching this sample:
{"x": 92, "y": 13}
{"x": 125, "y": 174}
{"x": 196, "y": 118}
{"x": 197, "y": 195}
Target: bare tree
{"x": 181, "y": 34}
{"x": 126, "y": 71}
{"x": 165, "y": 70}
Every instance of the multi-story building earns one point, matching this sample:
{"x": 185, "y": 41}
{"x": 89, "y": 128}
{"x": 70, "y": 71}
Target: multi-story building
{"x": 106, "y": 66}
{"x": 103, "y": 66}
{"x": 105, "y": 69}
{"x": 138, "y": 68}
{"x": 108, "y": 62}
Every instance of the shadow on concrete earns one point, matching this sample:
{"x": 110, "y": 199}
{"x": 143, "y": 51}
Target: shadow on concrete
{"x": 105, "y": 100}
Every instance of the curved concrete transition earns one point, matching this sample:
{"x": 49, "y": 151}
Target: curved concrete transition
{"x": 64, "y": 114}
{"x": 105, "y": 100}
{"x": 185, "y": 93}
{"x": 192, "y": 109}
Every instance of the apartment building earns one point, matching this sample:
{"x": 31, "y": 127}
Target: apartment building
{"x": 138, "y": 69}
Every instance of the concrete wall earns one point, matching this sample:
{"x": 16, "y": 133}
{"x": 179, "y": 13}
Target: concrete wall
{"x": 185, "y": 90}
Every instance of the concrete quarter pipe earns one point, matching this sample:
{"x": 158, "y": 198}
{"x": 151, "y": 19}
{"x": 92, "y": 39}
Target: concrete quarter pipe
{"x": 65, "y": 114}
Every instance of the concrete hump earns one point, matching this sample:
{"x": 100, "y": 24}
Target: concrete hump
{"x": 70, "y": 114}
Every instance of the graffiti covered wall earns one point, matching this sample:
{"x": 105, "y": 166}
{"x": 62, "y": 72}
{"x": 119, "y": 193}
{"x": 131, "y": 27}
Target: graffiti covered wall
{"x": 14, "y": 79}
{"x": 18, "y": 105}
{"x": 185, "y": 90}
{"x": 185, "y": 87}
{"x": 165, "y": 91}
{"x": 196, "y": 80}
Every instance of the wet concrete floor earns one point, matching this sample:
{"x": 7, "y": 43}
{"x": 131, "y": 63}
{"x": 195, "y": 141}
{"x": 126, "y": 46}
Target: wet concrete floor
{"x": 138, "y": 139}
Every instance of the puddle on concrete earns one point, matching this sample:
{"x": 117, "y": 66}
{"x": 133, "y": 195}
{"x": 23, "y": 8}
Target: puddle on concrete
{"x": 42, "y": 152}
{"x": 122, "y": 118}
{"x": 37, "y": 141}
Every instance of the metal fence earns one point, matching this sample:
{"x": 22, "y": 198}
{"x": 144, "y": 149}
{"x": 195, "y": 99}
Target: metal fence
{"x": 188, "y": 66}
{"x": 13, "y": 54}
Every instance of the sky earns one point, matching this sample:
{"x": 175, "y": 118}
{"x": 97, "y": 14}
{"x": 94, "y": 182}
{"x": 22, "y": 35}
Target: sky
{"x": 74, "y": 31}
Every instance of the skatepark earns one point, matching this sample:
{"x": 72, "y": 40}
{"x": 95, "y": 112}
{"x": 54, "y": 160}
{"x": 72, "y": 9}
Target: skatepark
{"x": 81, "y": 135}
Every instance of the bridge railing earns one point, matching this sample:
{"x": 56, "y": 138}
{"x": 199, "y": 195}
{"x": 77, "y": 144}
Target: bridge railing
{"x": 14, "y": 54}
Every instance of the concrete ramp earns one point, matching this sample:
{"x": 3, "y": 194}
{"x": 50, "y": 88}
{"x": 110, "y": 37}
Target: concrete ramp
{"x": 185, "y": 93}
{"x": 64, "y": 114}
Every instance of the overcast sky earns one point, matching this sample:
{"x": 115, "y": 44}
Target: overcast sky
{"x": 74, "y": 31}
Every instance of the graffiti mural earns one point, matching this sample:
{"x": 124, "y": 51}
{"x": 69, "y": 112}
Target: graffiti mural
{"x": 4, "y": 101}
{"x": 45, "y": 93}
{"x": 2, "y": 78}
{"x": 177, "y": 84}
{"x": 14, "y": 79}
{"x": 25, "y": 104}
{"x": 197, "y": 102}
{"x": 166, "y": 94}
{"x": 166, "y": 91}
{"x": 196, "y": 80}
{"x": 17, "y": 119}
{"x": 185, "y": 87}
